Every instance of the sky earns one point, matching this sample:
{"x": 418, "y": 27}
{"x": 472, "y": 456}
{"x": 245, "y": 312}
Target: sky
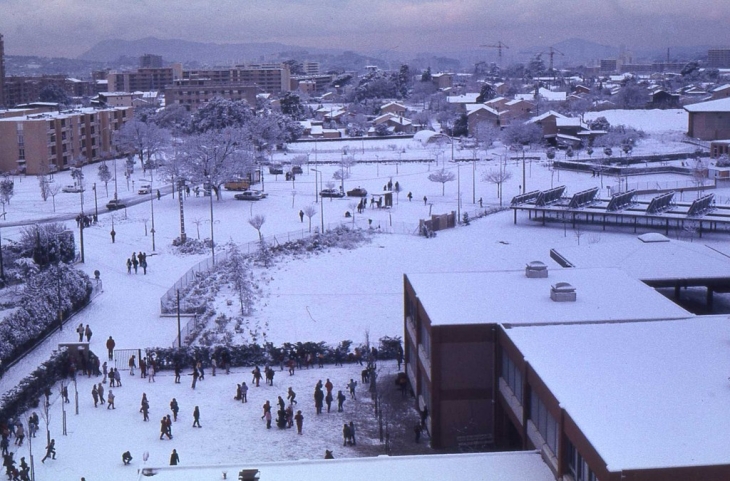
{"x": 67, "y": 28}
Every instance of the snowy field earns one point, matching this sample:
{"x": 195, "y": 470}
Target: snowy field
{"x": 328, "y": 297}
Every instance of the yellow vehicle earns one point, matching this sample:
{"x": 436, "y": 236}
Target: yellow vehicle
{"x": 241, "y": 184}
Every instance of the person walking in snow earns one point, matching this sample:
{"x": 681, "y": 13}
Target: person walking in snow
{"x": 100, "y": 391}
{"x": 178, "y": 371}
{"x": 291, "y": 396}
{"x": 196, "y": 375}
{"x": 301, "y": 216}
{"x": 95, "y": 395}
{"x": 175, "y": 408}
{"x": 117, "y": 378}
{"x": 351, "y": 386}
{"x": 50, "y": 451}
{"x": 299, "y": 420}
{"x": 88, "y": 333}
{"x": 110, "y": 344}
{"x": 328, "y": 399}
{"x": 196, "y": 417}
{"x": 129, "y": 266}
{"x": 174, "y": 458}
{"x": 345, "y": 434}
{"x": 163, "y": 427}
{"x": 244, "y": 393}
{"x": 80, "y": 331}
{"x": 318, "y": 398}
{"x": 132, "y": 364}
{"x": 352, "y": 433}
{"x": 340, "y": 401}
{"x": 110, "y": 400}
{"x": 135, "y": 262}
{"x": 151, "y": 371}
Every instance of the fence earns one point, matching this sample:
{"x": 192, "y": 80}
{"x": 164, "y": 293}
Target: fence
{"x": 678, "y": 185}
{"x": 206, "y": 265}
{"x": 186, "y": 330}
{"x": 122, "y": 357}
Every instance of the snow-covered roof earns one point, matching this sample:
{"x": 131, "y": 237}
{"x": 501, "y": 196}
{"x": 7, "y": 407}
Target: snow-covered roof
{"x": 393, "y": 104}
{"x": 651, "y": 261}
{"x": 470, "y": 109}
{"x": 568, "y": 122}
{"x": 525, "y": 97}
{"x": 721, "y": 88}
{"x": 551, "y": 96}
{"x": 509, "y": 297}
{"x": 506, "y": 466}
{"x": 426, "y": 136}
{"x": 468, "y": 98}
{"x": 645, "y": 394}
{"x": 549, "y": 113}
{"x": 720, "y": 105}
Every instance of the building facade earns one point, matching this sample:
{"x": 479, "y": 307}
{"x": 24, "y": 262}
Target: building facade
{"x": 195, "y": 93}
{"x": 709, "y": 120}
{"x": 39, "y": 143}
{"x": 143, "y": 79}
{"x": 2, "y": 72}
{"x": 269, "y": 78}
{"x": 718, "y": 58}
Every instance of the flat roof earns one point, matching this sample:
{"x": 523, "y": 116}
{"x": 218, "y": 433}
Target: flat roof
{"x": 656, "y": 258}
{"x": 645, "y": 395}
{"x": 509, "y": 297}
{"x": 510, "y": 466}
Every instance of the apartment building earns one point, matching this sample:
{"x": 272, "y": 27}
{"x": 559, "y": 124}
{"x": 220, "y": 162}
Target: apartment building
{"x": 709, "y": 120}
{"x": 195, "y": 93}
{"x": 37, "y": 143}
{"x": 718, "y": 58}
{"x": 143, "y": 79}
{"x": 269, "y": 78}
{"x": 2, "y": 72}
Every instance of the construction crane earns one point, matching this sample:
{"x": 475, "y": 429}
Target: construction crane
{"x": 499, "y": 46}
{"x": 551, "y": 52}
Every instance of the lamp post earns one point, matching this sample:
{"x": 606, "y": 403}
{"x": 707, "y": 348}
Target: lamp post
{"x": 152, "y": 208}
{"x": 96, "y": 204}
{"x": 321, "y": 204}
{"x": 212, "y": 243}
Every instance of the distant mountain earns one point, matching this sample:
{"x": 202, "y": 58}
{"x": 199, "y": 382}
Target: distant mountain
{"x": 17, "y": 65}
{"x": 186, "y": 52}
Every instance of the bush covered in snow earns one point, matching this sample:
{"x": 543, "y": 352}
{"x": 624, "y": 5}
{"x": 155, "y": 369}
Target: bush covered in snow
{"x": 28, "y": 392}
{"x": 59, "y": 287}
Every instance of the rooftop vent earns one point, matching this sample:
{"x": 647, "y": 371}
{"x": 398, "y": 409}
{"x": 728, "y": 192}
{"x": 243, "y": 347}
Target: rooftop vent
{"x": 248, "y": 475}
{"x": 562, "y": 292}
{"x": 536, "y": 270}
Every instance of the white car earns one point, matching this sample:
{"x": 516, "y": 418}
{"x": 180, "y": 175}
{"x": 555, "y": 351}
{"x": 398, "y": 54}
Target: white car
{"x": 144, "y": 190}
{"x": 72, "y": 189}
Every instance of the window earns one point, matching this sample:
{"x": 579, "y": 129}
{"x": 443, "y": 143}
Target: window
{"x": 577, "y": 465}
{"x": 512, "y": 376}
{"x": 426, "y": 341}
{"x": 544, "y": 422}
{"x": 21, "y": 154}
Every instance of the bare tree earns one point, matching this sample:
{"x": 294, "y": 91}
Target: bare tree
{"x": 197, "y": 221}
{"x": 257, "y": 222}
{"x": 497, "y": 177}
{"x": 145, "y": 140}
{"x": 53, "y": 190}
{"x": 442, "y": 176}
{"x": 310, "y": 212}
{"x": 43, "y": 184}
{"x": 341, "y": 175}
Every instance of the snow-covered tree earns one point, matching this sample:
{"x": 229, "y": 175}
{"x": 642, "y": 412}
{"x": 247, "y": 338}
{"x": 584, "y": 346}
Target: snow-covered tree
{"x": 219, "y": 114}
{"x": 497, "y": 177}
{"x": 257, "y": 222}
{"x": 442, "y": 176}
{"x": 7, "y": 190}
{"x": 105, "y": 176}
{"x": 310, "y": 212}
{"x": 145, "y": 140}
{"x": 242, "y": 280}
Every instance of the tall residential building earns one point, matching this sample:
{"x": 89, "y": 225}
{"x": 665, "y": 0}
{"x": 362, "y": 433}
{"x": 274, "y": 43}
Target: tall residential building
{"x": 718, "y": 58}
{"x": 195, "y": 93}
{"x": 143, "y": 79}
{"x": 150, "y": 61}
{"x": 269, "y": 78}
{"x": 37, "y": 143}
{"x": 2, "y": 71}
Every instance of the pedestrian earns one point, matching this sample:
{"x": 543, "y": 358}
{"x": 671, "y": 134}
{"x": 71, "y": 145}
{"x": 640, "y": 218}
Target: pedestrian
{"x": 281, "y": 403}
{"x": 163, "y": 428}
{"x": 340, "y": 401}
{"x": 151, "y": 371}
{"x": 113, "y": 234}
{"x": 175, "y": 408}
{"x": 410, "y": 196}
{"x": 328, "y": 399}
{"x": 129, "y": 266}
{"x": 95, "y": 395}
{"x": 201, "y": 370}
{"x": 64, "y": 394}
{"x": 351, "y": 386}
{"x": 142, "y": 368}
{"x": 50, "y": 451}
{"x": 19, "y": 434}
{"x": 425, "y": 200}
{"x": 256, "y": 376}
{"x": 299, "y": 420}
{"x": 88, "y": 333}
{"x": 145, "y": 407}
{"x": 328, "y": 454}
{"x": 117, "y": 378}
{"x": 291, "y": 396}
{"x": 196, "y": 375}
{"x": 213, "y": 366}
{"x": 143, "y": 264}
{"x": 110, "y": 400}
{"x": 100, "y": 391}
{"x": 135, "y": 263}
{"x": 318, "y": 398}
{"x": 132, "y": 364}
{"x": 244, "y": 392}
{"x": 169, "y": 426}
{"x": 126, "y": 457}
{"x": 177, "y": 373}
{"x": 159, "y": 195}
{"x": 196, "y": 417}
{"x": 345, "y": 434}
{"x": 267, "y": 409}
{"x": 301, "y": 216}
{"x": 174, "y": 458}
{"x": 352, "y": 433}
{"x": 110, "y": 344}
{"x": 80, "y": 330}
{"x": 267, "y": 416}
{"x": 328, "y": 386}
{"x": 480, "y": 202}
{"x": 104, "y": 372}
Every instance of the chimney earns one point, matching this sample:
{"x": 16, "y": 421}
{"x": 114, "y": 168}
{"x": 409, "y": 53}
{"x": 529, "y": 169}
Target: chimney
{"x": 562, "y": 292}
{"x": 536, "y": 270}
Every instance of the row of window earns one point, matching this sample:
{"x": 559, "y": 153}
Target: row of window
{"x": 512, "y": 376}
{"x": 545, "y": 423}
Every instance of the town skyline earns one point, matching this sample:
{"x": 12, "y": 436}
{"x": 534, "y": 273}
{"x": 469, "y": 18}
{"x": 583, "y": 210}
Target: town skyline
{"x": 71, "y": 27}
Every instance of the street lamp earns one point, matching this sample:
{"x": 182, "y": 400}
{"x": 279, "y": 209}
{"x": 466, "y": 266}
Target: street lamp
{"x": 212, "y": 243}
{"x": 96, "y": 205}
{"x": 152, "y": 208}
{"x": 321, "y": 204}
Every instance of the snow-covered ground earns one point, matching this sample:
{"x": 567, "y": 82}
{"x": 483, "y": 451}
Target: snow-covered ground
{"x": 328, "y": 297}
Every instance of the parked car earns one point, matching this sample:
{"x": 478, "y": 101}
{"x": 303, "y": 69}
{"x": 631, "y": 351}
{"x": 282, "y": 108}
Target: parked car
{"x": 72, "y": 189}
{"x": 357, "y": 192}
{"x": 276, "y": 169}
{"x": 144, "y": 190}
{"x": 296, "y": 169}
{"x": 115, "y": 204}
{"x": 249, "y": 195}
{"x": 331, "y": 193}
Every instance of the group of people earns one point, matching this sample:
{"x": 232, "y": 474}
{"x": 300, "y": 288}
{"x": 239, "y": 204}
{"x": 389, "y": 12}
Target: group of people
{"x": 137, "y": 260}
{"x": 84, "y": 332}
